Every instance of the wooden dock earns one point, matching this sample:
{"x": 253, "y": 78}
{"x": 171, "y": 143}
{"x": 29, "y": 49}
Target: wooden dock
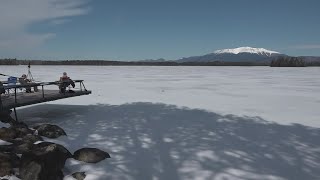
{"x": 18, "y": 99}
{"x": 25, "y": 99}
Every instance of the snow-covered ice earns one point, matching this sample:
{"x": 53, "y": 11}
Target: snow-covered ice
{"x": 188, "y": 122}
{"x": 282, "y": 95}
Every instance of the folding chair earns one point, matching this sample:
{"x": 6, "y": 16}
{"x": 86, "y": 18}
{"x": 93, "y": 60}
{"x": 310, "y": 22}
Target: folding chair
{"x": 12, "y": 80}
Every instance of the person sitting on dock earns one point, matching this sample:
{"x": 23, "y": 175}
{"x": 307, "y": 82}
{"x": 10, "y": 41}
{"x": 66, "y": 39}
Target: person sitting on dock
{"x": 65, "y": 81}
{"x": 23, "y": 80}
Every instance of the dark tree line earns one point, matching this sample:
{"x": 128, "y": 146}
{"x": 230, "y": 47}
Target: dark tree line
{"x": 287, "y": 61}
{"x": 279, "y": 62}
{"x": 129, "y": 63}
{"x": 8, "y": 61}
{"x": 315, "y": 63}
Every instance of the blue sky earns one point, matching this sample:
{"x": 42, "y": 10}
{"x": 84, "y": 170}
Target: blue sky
{"x": 151, "y": 29}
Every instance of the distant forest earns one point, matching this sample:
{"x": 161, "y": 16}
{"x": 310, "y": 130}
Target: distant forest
{"x": 287, "y": 61}
{"x": 284, "y": 62}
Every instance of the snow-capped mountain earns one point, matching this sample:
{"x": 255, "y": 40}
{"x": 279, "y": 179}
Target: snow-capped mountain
{"x": 260, "y": 51}
{"x": 241, "y": 54}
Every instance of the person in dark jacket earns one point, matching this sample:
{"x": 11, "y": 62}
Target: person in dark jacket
{"x": 23, "y": 80}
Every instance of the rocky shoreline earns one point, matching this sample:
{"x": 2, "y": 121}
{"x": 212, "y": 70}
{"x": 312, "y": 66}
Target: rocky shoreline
{"x": 24, "y": 153}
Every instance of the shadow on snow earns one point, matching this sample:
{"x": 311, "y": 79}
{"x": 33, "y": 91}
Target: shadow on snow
{"x": 158, "y": 141}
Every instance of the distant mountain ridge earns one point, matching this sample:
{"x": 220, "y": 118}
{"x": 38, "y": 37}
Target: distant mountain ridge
{"x": 241, "y": 54}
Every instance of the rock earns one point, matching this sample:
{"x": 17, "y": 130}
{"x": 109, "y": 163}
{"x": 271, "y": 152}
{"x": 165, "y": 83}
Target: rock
{"x": 8, "y": 161}
{"x": 36, "y": 170}
{"x": 7, "y": 134}
{"x": 6, "y": 168}
{"x": 90, "y": 155}
{"x": 31, "y": 170}
{"x": 18, "y": 130}
{"x": 50, "y": 131}
{"x": 21, "y": 129}
{"x": 15, "y": 160}
{"x": 17, "y": 146}
{"x": 58, "y": 146}
{"x": 21, "y": 145}
{"x": 44, "y": 161}
{"x": 23, "y": 148}
{"x": 5, "y": 117}
{"x": 31, "y": 138}
{"x": 6, "y": 148}
{"x": 79, "y": 175}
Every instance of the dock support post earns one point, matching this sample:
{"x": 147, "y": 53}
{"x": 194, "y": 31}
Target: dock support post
{"x": 42, "y": 92}
{"x": 0, "y": 103}
{"x": 15, "y": 95}
{"x": 15, "y": 114}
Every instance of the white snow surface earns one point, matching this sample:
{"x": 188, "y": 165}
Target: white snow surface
{"x": 10, "y": 177}
{"x": 187, "y": 122}
{"x": 4, "y": 142}
{"x": 260, "y": 51}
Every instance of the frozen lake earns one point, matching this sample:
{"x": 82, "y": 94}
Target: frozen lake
{"x": 187, "y": 123}
{"x": 283, "y": 95}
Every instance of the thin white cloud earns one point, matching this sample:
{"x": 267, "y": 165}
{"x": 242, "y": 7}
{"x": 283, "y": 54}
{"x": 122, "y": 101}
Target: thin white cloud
{"x": 307, "y": 46}
{"x": 16, "y": 16}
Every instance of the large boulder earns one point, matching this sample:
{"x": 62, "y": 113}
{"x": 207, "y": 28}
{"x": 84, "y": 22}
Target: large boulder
{"x": 44, "y": 161}
{"x": 50, "y": 131}
{"x": 90, "y": 155}
{"x": 8, "y": 161}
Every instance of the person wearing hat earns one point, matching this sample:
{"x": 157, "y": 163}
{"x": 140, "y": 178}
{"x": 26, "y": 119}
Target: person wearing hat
{"x": 64, "y": 77}
{"x": 65, "y": 81}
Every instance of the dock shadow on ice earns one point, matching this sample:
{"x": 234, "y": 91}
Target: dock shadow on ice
{"x": 159, "y": 141}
